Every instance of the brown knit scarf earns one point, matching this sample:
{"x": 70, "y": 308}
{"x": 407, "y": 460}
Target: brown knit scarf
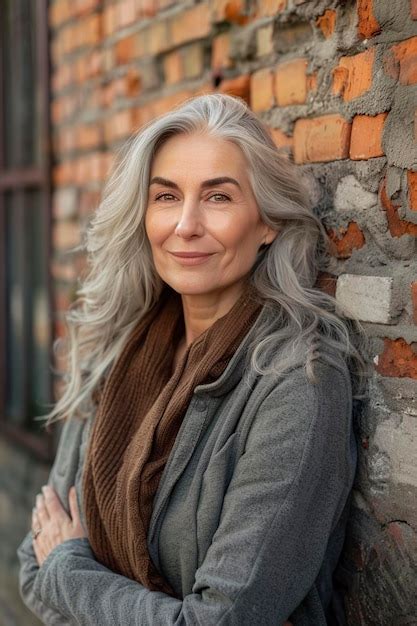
{"x": 138, "y": 416}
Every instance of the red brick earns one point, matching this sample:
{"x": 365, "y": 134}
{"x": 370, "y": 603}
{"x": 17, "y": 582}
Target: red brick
{"x": 191, "y": 24}
{"x": 398, "y": 359}
{"x": 262, "y": 90}
{"x": 366, "y": 137}
{"x": 229, "y": 11}
{"x": 406, "y": 54}
{"x": 321, "y": 139}
{"x": 327, "y": 283}
{"x": 290, "y": 85}
{"x": 345, "y": 240}
{"x": 239, "y": 86}
{"x": 327, "y": 22}
{"x": 353, "y": 76}
{"x": 220, "y": 52}
{"x": 414, "y": 9}
{"x": 412, "y": 189}
{"x": 367, "y": 23}
{"x": 397, "y": 227}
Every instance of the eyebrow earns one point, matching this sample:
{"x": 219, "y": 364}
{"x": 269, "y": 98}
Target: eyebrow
{"x": 212, "y": 182}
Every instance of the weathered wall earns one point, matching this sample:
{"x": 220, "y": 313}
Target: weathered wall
{"x": 336, "y": 83}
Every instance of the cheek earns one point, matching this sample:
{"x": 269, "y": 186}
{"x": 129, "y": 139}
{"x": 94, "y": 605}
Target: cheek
{"x": 241, "y": 236}
{"x": 156, "y": 228}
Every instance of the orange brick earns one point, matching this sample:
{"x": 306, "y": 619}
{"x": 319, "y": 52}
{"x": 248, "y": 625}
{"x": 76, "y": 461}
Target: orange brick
{"x": 353, "y": 76}
{"x": 414, "y": 9}
{"x": 412, "y": 189}
{"x": 367, "y": 24}
{"x": 406, "y": 54}
{"x": 149, "y": 8}
{"x": 366, "y": 137}
{"x": 280, "y": 139}
{"x": 132, "y": 83}
{"x": 262, "y": 90}
{"x": 85, "y": 6}
{"x": 88, "y": 136}
{"x": 327, "y": 22}
{"x": 63, "y": 173}
{"x": 239, "y": 86}
{"x": 229, "y": 11}
{"x": 220, "y": 52}
{"x": 397, "y": 227}
{"x": 414, "y": 300}
{"x": 290, "y": 86}
{"x": 321, "y": 139}
{"x": 125, "y": 50}
{"x": 191, "y": 24}
{"x": 89, "y": 30}
{"x": 126, "y": 13}
{"x": 345, "y": 240}
{"x": 156, "y": 38}
{"x": 398, "y": 359}
{"x": 173, "y": 67}
{"x": 109, "y": 19}
{"x": 269, "y": 8}
{"x": 58, "y": 13}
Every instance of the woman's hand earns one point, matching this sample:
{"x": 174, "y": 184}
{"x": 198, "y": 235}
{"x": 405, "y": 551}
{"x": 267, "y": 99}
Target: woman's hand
{"x": 55, "y": 525}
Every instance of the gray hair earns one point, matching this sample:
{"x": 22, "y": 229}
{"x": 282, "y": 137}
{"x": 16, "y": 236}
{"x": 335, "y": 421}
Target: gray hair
{"x": 122, "y": 284}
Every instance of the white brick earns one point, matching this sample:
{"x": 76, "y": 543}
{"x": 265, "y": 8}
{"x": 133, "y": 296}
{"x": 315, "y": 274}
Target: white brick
{"x": 350, "y": 195}
{"x": 369, "y": 298}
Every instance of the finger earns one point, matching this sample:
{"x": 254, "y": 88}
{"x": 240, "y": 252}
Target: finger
{"x": 43, "y": 515}
{"x": 73, "y": 505}
{"x": 53, "y": 504}
{"x": 35, "y": 520}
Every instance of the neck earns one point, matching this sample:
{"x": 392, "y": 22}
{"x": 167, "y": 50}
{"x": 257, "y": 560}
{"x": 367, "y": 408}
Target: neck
{"x": 202, "y": 310}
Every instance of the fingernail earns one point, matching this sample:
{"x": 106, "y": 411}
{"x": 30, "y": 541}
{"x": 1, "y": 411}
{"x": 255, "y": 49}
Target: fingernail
{"x": 44, "y": 489}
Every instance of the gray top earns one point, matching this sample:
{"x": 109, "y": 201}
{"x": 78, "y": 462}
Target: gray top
{"x": 249, "y": 518}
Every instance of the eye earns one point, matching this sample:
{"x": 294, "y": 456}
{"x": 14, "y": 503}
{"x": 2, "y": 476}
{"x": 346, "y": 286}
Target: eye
{"x": 222, "y": 195}
{"x": 163, "y": 194}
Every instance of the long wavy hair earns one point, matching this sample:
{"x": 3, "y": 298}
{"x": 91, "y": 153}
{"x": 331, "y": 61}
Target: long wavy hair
{"x": 121, "y": 283}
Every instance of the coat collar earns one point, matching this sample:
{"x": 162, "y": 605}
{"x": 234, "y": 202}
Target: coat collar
{"x": 235, "y": 368}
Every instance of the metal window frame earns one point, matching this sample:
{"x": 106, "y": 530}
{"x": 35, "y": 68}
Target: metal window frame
{"x": 40, "y": 445}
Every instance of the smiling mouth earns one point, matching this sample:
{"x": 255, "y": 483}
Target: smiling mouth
{"x": 191, "y": 255}
{"x": 191, "y": 258}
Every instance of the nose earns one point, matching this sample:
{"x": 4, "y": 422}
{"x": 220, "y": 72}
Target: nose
{"x": 190, "y": 223}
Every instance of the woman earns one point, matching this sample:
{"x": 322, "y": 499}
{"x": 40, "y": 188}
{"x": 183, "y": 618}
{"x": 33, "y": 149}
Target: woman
{"x": 209, "y": 393}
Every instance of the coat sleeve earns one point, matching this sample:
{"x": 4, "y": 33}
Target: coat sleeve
{"x": 288, "y": 489}
{"x": 61, "y": 477}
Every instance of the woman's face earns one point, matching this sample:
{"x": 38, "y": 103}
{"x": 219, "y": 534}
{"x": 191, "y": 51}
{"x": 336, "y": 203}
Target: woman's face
{"x": 188, "y": 212}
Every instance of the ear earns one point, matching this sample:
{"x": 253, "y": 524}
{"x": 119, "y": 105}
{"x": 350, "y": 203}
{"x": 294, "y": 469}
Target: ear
{"x": 270, "y": 235}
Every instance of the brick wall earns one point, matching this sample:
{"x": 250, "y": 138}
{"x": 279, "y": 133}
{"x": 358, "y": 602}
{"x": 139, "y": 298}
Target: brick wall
{"x": 336, "y": 83}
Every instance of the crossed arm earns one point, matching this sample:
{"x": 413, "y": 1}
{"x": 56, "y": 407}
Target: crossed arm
{"x": 284, "y": 498}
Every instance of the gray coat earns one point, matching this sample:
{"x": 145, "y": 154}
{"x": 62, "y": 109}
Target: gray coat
{"x": 249, "y": 518}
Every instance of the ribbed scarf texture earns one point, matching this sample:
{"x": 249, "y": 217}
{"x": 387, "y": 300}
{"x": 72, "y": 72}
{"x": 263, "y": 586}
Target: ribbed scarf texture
{"x": 138, "y": 416}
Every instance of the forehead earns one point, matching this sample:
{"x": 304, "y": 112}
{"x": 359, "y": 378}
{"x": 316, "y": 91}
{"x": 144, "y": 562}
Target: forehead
{"x": 199, "y": 154}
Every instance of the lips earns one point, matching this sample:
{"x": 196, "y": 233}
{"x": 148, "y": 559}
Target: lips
{"x": 191, "y": 255}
